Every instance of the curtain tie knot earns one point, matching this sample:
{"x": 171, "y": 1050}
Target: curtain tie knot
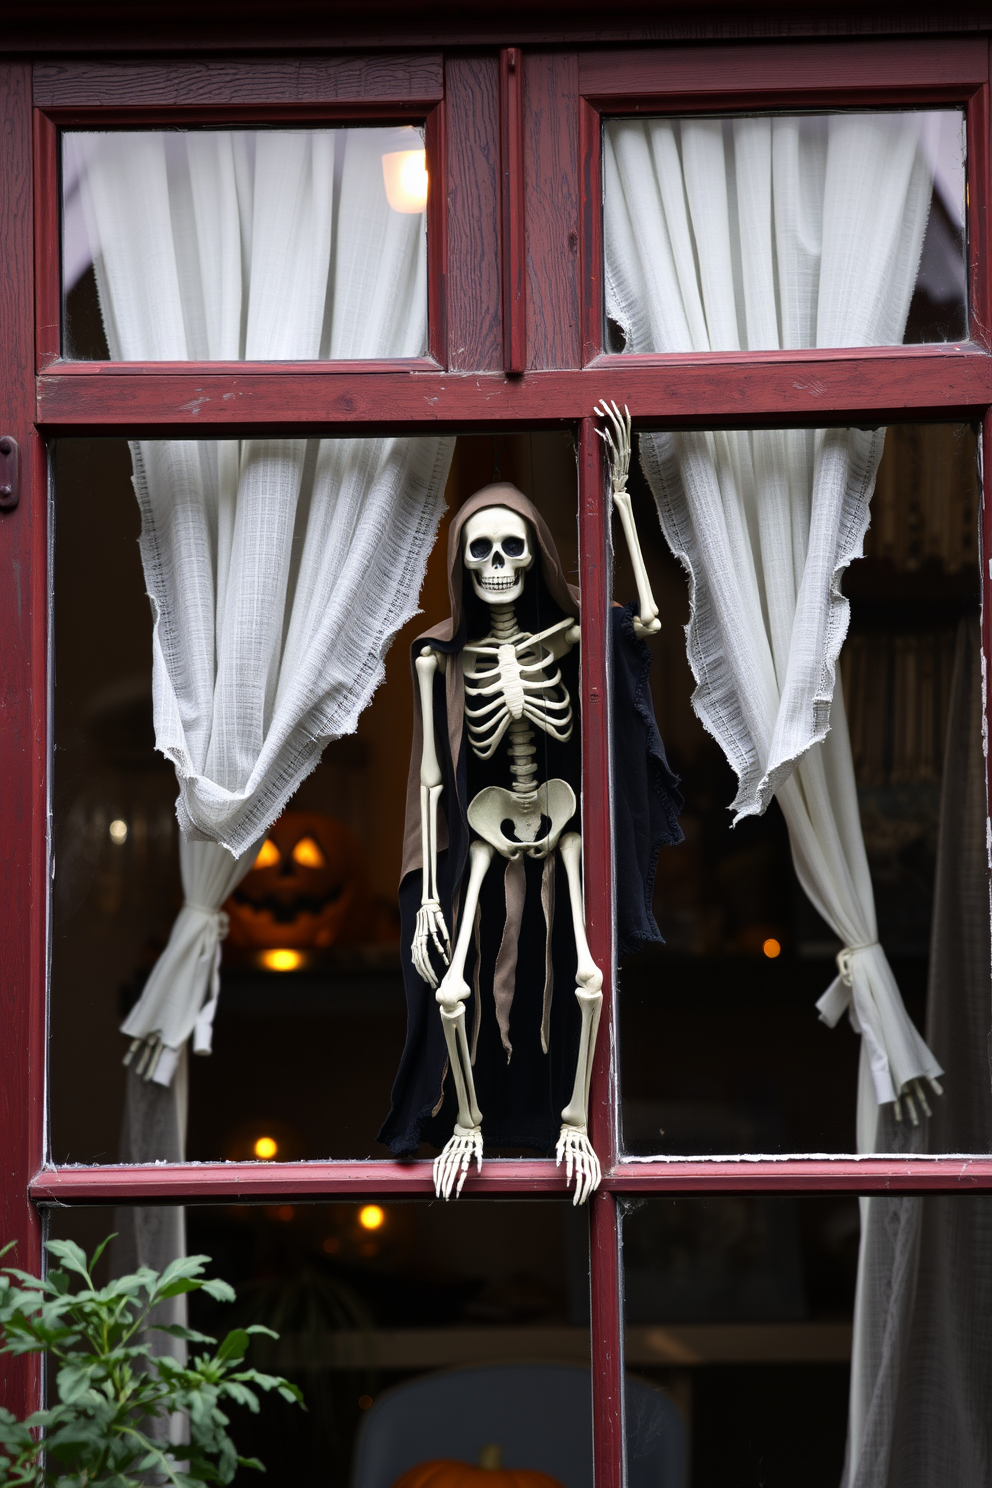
{"x": 845, "y": 960}
{"x": 221, "y": 923}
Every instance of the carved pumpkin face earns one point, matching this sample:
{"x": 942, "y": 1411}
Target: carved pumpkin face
{"x": 308, "y": 888}
{"x": 445, "y": 1473}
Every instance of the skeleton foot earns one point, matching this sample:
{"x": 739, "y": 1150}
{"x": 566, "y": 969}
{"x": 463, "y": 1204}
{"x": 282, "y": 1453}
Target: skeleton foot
{"x": 453, "y": 1162}
{"x": 577, "y": 1150}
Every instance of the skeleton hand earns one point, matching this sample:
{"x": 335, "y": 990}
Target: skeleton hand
{"x": 455, "y": 1159}
{"x": 617, "y": 441}
{"x": 911, "y": 1088}
{"x": 430, "y": 930}
{"x": 577, "y": 1150}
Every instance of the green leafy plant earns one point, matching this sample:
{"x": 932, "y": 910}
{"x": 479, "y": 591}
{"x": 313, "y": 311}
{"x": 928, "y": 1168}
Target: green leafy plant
{"x": 110, "y": 1386}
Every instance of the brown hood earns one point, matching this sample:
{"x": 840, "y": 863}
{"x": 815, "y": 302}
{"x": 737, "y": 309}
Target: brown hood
{"x": 565, "y": 596}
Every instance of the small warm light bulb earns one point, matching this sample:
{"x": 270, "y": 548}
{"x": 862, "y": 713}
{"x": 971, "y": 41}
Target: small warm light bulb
{"x": 266, "y": 1148}
{"x": 268, "y": 855}
{"x": 283, "y": 960}
{"x": 771, "y": 948}
{"x": 118, "y": 832}
{"x": 371, "y": 1217}
{"x": 405, "y": 175}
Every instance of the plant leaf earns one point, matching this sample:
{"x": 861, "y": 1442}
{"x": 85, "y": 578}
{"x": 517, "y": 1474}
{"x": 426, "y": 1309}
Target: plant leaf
{"x": 234, "y": 1345}
{"x": 221, "y": 1291}
{"x": 72, "y": 1256}
{"x": 74, "y": 1381}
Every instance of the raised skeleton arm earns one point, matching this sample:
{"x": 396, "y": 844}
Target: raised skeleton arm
{"x": 646, "y": 620}
{"x": 430, "y": 929}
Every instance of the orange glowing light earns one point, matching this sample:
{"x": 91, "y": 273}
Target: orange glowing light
{"x": 371, "y": 1217}
{"x": 364, "y": 1402}
{"x": 771, "y": 948}
{"x": 308, "y": 854}
{"x": 266, "y": 1148}
{"x": 332, "y": 1245}
{"x": 283, "y": 960}
{"x": 285, "y": 1212}
{"x": 405, "y": 176}
{"x": 268, "y": 855}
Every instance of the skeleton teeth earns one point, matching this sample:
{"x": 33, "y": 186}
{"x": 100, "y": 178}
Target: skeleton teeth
{"x": 496, "y": 584}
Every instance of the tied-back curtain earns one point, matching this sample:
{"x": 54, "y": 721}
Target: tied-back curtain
{"x": 757, "y": 234}
{"x": 278, "y": 570}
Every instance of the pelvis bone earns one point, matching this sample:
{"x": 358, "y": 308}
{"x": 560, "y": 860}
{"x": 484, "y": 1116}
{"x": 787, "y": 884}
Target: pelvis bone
{"x": 494, "y": 808}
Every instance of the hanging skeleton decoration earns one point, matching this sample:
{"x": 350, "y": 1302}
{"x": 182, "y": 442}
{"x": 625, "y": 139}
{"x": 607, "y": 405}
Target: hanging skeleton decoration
{"x": 495, "y": 779}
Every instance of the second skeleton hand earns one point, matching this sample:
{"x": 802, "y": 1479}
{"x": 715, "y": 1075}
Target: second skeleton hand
{"x": 617, "y": 441}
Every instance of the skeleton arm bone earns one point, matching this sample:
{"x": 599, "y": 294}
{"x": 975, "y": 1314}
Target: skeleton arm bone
{"x": 430, "y": 928}
{"x": 573, "y": 1143}
{"x": 646, "y": 621}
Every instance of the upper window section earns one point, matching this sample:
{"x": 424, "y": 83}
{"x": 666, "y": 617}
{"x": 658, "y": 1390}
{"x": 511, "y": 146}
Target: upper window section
{"x": 244, "y": 245}
{"x": 786, "y": 231}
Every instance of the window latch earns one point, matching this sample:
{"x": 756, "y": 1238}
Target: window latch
{"x": 9, "y": 463}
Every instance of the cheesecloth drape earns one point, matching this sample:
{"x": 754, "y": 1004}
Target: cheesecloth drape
{"x": 921, "y": 1379}
{"x": 778, "y": 233}
{"x": 278, "y": 569}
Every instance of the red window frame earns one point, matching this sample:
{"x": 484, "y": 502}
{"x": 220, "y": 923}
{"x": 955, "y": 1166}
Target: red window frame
{"x": 516, "y": 341}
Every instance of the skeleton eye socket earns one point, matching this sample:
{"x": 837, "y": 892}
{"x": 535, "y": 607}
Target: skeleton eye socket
{"x": 480, "y": 548}
{"x": 513, "y": 547}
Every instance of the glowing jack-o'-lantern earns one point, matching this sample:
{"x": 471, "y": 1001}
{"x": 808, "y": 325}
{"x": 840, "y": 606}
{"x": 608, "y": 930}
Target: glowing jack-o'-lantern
{"x": 307, "y": 889}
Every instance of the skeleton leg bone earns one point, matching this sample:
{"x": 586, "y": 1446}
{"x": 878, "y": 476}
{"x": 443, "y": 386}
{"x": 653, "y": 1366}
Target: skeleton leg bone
{"x": 573, "y": 1143}
{"x": 453, "y": 1162}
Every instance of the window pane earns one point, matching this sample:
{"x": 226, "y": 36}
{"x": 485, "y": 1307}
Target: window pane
{"x": 741, "y": 1308}
{"x": 230, "y": 245}
{"x": 415, "y": 1331}
{"x": 784, "y": 231}
{"x": 785, "y": 1351}
{"x": 311, "y": 1020}
{"x": 722, "y": 1048}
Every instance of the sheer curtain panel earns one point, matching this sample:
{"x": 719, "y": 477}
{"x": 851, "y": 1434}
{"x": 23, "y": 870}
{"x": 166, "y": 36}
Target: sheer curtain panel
{"x": 278, "y": 570}
{"x": 776, "y": 233}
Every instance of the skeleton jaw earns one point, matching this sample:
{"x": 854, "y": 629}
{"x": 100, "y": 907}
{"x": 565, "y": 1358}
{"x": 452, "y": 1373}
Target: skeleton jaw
{"x": 499, "y": 588}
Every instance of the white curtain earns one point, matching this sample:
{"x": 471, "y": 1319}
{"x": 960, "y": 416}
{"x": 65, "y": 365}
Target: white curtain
{"x": 278, "y": 570}
{"x": 777, "y": 233}
{"x": 921, "y": 1378}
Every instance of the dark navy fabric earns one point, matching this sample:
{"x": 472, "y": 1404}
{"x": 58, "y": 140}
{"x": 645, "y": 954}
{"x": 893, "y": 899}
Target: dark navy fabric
{"x": 521, "y": 1099}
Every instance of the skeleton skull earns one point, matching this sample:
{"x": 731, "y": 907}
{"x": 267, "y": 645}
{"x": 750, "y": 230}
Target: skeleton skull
{"x": 498, "y": 552}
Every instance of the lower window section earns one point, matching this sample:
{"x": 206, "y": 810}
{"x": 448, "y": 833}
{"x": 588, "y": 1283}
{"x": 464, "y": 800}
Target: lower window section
{"x": 415, "y": 1331}
{"x": 740, "y": 1308}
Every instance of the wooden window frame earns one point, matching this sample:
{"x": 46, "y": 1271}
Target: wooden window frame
{"x": 515, "y": 342}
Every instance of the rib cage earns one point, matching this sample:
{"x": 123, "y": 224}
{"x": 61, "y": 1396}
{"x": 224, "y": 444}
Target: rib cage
{"x": 512, "y": 680}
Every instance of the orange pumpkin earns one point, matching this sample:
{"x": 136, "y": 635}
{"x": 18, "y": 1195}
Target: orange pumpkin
{"x": 307, "y": 889}
{"x": 445, "y": 1473}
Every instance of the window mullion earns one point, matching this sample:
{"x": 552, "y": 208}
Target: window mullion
{"x": 606, "y": 1343}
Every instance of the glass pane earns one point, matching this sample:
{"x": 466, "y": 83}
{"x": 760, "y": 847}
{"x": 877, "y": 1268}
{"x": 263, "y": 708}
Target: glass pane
{"x": 741, "y": 1308}
{"x": 232, "y": 245}
{"x": 785, "y": 231}
{"x": 415, "y": 1331}
{"x": 722, "y": 1048}
{"x": 311, "y": 1020}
